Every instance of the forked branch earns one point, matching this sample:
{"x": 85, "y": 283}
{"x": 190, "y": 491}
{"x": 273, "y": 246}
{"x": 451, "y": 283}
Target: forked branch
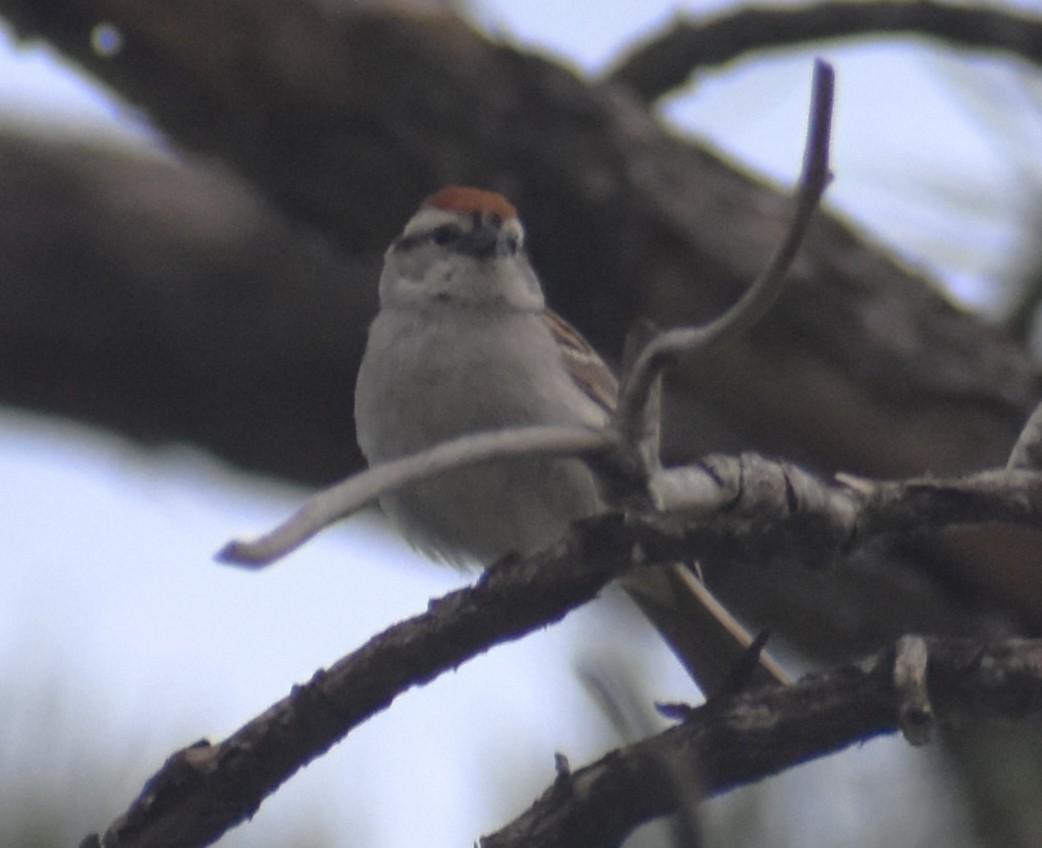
{"x": 749, "y": 737}
{"x": 204, "y": 790}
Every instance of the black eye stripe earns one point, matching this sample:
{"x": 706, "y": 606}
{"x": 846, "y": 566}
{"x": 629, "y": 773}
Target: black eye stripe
{"x": 446, "y": 234}
{"x": 406, "y": 243}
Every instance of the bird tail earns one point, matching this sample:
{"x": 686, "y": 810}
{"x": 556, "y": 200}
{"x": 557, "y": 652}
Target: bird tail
{"x": 711, "y": 644}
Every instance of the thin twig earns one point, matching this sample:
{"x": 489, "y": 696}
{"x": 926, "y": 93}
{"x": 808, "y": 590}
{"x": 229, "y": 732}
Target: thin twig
{"x": 1027, "y": 452}
{"x": 667, "y": 348}
{"x": 358, "y": 490}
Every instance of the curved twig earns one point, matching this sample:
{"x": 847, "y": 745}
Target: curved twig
{"x": 1027, "y": 452}
{"x": 358, "y": 490}
{"x": 667, "y": 348}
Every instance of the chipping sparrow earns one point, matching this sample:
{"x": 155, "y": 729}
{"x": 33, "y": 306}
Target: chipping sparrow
{"x": 464, "y": 343}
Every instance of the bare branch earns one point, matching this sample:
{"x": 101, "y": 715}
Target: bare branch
{"x": 752, "y": 736}
{"x": 667, "y": 349}
{"x": 367, "y": 138}
{"x": 1027, "y": 452}
{"x": 765, "y": 511}
{"x": 744, "y": 505}
{"x": 665, "y": 62}
{"x": 206, "y": 789}
{"x": 350, "y": 495}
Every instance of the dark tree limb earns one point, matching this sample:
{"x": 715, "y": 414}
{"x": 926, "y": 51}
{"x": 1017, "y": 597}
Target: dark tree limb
{"x": 205, "y": 789}
{"x": 724, "y": 745}
{"x": 169, "y": 302}
{"x": 342, "y": 122}
{"x": 1027, "y": 452}
{"x": 668, "y": 59}
{"x": 767, "y": 514}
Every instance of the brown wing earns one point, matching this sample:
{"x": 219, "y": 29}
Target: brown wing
{"x": 700, "y": 630}
{"x": 586, "y": 368}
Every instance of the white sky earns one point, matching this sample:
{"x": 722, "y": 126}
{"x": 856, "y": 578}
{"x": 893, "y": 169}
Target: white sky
{"x": 110, "y": 602}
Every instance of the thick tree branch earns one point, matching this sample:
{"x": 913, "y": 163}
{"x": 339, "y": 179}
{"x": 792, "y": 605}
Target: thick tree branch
{"x": 169, "y": 302}
{"x": 762, "y": 511}
{"x": 666, "y": 60}
{"x": 205, "y": 789}
{"x": 243, "y": 334}
{"x": 723, "y": 745}
{"x": 1027, "y": 452}
{"x": 772, "y": 512}
{"x": 343, "y": 121}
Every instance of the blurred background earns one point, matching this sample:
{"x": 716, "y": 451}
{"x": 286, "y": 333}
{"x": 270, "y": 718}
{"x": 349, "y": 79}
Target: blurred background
{"x": 121, "y": 640}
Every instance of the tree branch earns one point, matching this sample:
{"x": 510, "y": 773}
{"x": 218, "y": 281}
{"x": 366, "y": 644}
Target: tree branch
{"x": 205, "y": 789}
{"x": 771, "y": 512}
{"x": 341, "y": 121}
{"x": 723, "y": 745}
{"x": 359, "y": 490}
{"x": 759, "y": 499}
{"x": 666, "y": 60}
{"x": 667, "y": 348}
{"x": 1027, "y": 452}
{"x": 120, "y": 309}
{"x": 747, "y": 505}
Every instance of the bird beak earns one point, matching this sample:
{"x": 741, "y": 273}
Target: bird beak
{"x": 483, "y": 242}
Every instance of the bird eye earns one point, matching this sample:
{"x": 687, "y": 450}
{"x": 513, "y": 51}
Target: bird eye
{"x": 446, "y": 234}
{"x": 510, "y": 245}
